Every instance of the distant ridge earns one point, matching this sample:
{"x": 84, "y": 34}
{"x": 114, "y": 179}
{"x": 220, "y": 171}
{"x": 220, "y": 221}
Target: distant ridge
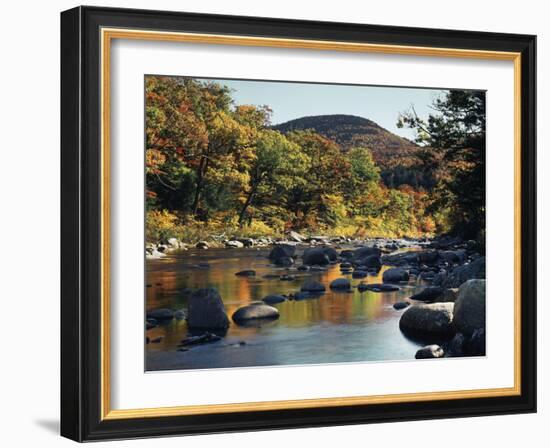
{"x": 350, "y": 131}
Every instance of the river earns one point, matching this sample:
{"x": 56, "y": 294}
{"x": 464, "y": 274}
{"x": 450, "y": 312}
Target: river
{"x": 334, "y": 328}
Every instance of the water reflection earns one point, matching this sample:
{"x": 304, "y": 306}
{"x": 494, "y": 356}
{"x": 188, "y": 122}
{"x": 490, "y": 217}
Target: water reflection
{"x": 336, "y": 327}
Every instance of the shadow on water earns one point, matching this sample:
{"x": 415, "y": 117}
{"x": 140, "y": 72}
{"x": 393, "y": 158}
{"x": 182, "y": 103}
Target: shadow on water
{"x": 333, "y": 327}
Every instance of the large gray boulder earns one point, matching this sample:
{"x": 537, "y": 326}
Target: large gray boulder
{"x": 433, "y": 319}
{"x": 395, "y": 275}
{"x": 205, "y": 309}
{"x": 461, "y": 274}
{"x": 255, "y": 311}
{"x": 469, "y": 308}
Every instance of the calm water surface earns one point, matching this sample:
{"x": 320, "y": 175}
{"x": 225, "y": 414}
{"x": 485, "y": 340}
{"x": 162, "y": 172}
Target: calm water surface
{"x": 336, "y": 327}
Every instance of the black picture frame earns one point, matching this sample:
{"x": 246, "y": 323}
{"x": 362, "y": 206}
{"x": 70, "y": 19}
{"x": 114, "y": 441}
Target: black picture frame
{"x": 81, "y": 224}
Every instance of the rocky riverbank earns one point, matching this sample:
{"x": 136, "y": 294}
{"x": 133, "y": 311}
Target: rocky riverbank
{"x": 448, "y": 314}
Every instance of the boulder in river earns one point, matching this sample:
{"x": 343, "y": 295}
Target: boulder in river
{"x": 449, "y": 295}
{"x": 372, "y": 261}
{"x": 202, "y": 245}
{"x": 364, "y": 252}
{"x": 469, "y": 308}
{"x": 313, "y": 286}
{"x": 246, "y": 273}
{"x": 319, "y": 256}
{"x": 160, "y": 314}
{"x": 377, "y": 287}
{"x": 205, "y": 309}
{"x": 430, "y": 351}
{"x": 273, "y": 298}
{"x": 359, "y": 274}
{"x": 429, "y": 294}
{"x": 281, "y": 251}
{"x": 431, "y": 319}
{"x": 400, "y": 305}
{"x": 461, "y": 274}
{"x": 340, "y": 284}
{"x": 255, "y": 311}
{"x": 395, "y": 275}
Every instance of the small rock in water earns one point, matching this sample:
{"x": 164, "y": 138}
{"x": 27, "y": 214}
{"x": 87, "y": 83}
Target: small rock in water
{"x": 202, "y": 339}
{"x": 340, "y": 284}
{"x": 395, "y": 275}
{"x": 429, "y": 294}
{"x": 246, "y": 273}
{"x": 160, "y": 314}
{"x": 287, "y": 278}
{"x": 202, "y": 245}
{"x": 156, "y": 340}
{"x": 203, "y": 265}
{"x": 430, "y": 351}
{"x": 377, "y": 287}
{"x": 234, "y": 244}
{"x": 401, "y": 305}
{"x": 313, "y": 286}
{"x": 180, "y": 315}
{"x": 255, "y": 311}
{"x": 303, "y": 267}
{"x": 359, "y": 274}
{"x": 273, "y": 298}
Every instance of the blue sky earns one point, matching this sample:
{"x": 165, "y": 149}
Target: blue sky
{"x": 294, "y": 100}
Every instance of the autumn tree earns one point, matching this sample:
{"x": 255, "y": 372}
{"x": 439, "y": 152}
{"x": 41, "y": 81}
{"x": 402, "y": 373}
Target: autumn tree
{"x": 456, "y": 133}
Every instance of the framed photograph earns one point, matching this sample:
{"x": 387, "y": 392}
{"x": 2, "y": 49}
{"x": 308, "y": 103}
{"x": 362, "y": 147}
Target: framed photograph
{"x": 276, "y": 224}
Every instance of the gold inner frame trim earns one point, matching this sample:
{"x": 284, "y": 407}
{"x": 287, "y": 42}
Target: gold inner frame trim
{"x": 107, "y": 35}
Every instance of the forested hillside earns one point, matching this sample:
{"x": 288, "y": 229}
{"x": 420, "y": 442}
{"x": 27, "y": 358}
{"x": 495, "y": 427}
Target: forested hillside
{"x": 215, "y": 167}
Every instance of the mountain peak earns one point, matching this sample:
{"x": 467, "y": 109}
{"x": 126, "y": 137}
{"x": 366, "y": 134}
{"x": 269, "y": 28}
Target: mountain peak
{"x": 353, "y": 131}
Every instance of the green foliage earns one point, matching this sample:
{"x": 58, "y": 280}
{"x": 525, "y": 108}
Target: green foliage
{"x": 456, "y": 131}
{"x": 217, "y": 170}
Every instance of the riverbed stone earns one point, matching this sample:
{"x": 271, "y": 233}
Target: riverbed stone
{"x": 313, "y": 286}
{"x": 359, "y": 274}
{"x": 273, "y": 298}
{"x": 319, "y": 256}
{"x": 364, "y": 252}
{"x": 282, "y": 250}
{"x": 469, "y": 308}
{"x": 202, "y": 245}
{"x": 160, "y": 314}
{"x": 340, "y": 284}
{"x": 234, "y": 244}
{"x": 401, "y": 305}
{"x": 429, "y": 294}
{"x": 461, "y": 274}
{"x": 394, "y": 275}
{"x": 433, "y": 319}
{"x": 246, "y": 273}
{"x": 255, "y": 311}
{"x": 430, "y": 351}
{"x": 377, "y": 287}
{"x": 206, "y": 310}
{"x": 449, "y": 295}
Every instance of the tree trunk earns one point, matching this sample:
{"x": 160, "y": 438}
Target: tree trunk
{"x": 201, "y": 170}
{"x": 246, "y": 204}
